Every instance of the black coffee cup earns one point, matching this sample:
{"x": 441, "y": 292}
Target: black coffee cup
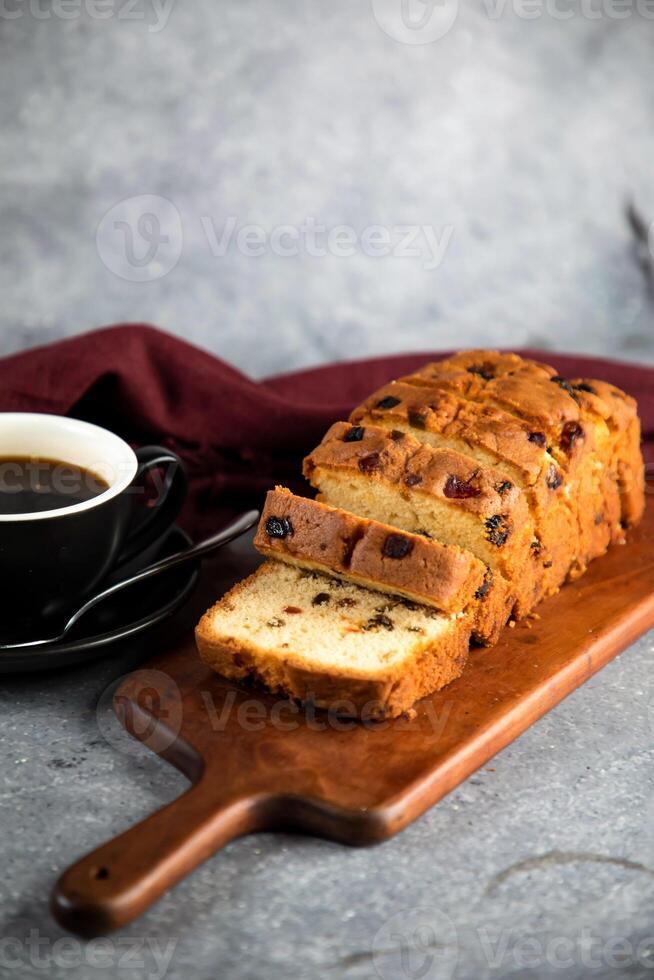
{"x": 50, "y": 559}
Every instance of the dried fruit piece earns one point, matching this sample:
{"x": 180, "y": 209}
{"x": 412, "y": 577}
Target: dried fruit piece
{"x": 485, "y": 585}
{"x": 278, "y": 527}
{"x": 565, "y": 385}
{"x": 498, "y": 530}
{"x": 538, "y": 438}
{"x": 572, "y": 432}
{"x": 417, "y": 418}
{"x": 321, "y": 599}
{"x": 346, "y": 602}
{"x": 397, "y": 546}
{"x": 388, "y": 402}
{"x": 396, "y": 435}
{"x": 485, "y": 370}
{"x": 554, "y": 478}
{"x": 292, "y": 610}
{"x": 413, "y": 479}
{"x": 457, "y": 489}
{"x": 355, "y": 434}
{"x": 503, "y": 487}
{"x": 369, "y": 463}
{"x": 379, "y": 622}
{"x": 584, "y": 386}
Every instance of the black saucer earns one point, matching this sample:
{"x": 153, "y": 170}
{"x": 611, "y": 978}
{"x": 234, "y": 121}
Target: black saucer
{"x": 128, "y": 614}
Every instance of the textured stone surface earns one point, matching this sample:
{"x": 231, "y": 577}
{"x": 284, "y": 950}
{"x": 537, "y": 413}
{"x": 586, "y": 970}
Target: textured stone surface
{"x": 544, "y": 858}
{"x": 549, "y": 843}
{"x": 527, "y": 137}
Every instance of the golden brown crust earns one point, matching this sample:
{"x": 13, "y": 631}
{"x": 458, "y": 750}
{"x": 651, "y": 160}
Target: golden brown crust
{"x": 501, "y": 522}
{"x": 504, "y": 437}
{"x": 496, "y": 438}
{"x": 328, "y": 539}
{"x": 388, "y": 693}
{"x": 418, "y": 468}
{"x": 367, "y": 552}
{"x": 575, "y": 423}
{"x": 624, "y": 461}
{"x": 537, "y": 394}
{"x": 527, "y": 389}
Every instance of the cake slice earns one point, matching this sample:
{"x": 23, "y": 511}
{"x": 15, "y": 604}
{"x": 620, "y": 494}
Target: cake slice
{"x": 339, "y": 646}
{"x": 444, "y": 419}
{"x": 327, "y": 539}
{"x": 391, "y": 477}
{"x": 573, "y": 427}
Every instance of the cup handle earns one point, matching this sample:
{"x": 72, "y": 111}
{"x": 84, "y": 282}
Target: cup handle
{"x": 167, "y": 506}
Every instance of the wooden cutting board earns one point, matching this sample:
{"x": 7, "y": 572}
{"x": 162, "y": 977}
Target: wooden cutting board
{"x": 258, "y": 763}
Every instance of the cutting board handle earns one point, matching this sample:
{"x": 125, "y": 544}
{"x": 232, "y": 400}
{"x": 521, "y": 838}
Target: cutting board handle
{"x": 118, "y": 881}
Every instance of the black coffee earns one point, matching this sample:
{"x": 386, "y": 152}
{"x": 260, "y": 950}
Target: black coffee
{"x": 28, "y": 485}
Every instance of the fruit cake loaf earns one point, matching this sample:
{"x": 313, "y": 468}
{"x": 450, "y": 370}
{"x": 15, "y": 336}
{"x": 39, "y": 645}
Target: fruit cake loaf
{"x": 391, "y": 477}
{"x": 316, "y": 536}
{"x": 331, "y": 643}
{"x": 442, "y": 418}
{"x": 576, "y": 436}
{"x": 465, "y": 480}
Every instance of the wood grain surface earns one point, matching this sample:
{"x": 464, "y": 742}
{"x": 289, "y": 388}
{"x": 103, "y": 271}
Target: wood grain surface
{"x": 258, "y": 762}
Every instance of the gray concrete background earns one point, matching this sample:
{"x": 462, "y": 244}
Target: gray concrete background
{"x": 526, "y": 138}
{"x": 539, "y": 865}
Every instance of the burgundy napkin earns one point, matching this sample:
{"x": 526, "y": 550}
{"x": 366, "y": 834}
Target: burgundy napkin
{"x": 238, "y": 436}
